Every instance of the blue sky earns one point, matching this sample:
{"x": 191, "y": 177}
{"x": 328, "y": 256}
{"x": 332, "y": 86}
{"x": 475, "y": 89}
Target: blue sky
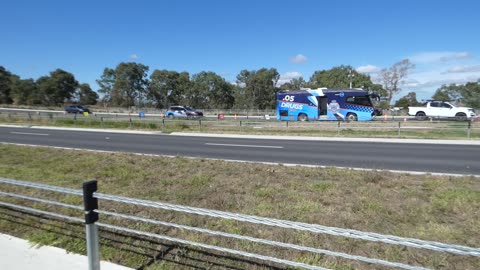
{"x": 296, "y": 37}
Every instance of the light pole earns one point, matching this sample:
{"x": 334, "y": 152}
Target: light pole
{"x": 350, "y": 77}
{"x": 166, "y": 98}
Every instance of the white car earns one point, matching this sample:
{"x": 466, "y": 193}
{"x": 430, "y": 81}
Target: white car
{"x": 441, "y": 109}
{"x": 183, "y": 112}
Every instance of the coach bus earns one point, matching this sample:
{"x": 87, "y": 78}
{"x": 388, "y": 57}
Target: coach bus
{"x": 325, "y": 104}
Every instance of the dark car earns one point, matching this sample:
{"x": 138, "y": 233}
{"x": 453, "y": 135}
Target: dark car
{"x": 76, "y": 109}
{"x": 183, "y": 112}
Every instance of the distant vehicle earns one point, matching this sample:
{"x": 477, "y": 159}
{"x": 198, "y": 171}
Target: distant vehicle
{"x": 441, "y": 109}
{"x": 76, "y": 109}
{"x": 326, "y": 104}
{"x": 183, "y": 112}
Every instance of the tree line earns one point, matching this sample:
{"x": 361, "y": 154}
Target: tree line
{"x": 129, "y": 84}
{"x": 467, "y": 94}
{"x": 58, "y": 88}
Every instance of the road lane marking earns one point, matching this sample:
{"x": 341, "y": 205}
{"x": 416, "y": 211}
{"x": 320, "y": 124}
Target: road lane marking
{"x": 26, "y": 133}
{"x": 244, "y": 145}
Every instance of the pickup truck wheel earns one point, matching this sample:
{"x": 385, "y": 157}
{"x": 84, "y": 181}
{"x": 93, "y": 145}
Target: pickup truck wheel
{"x": 420, "y": 116}
{"x": 351, "y": 117}
{"x": 170, "y": 116}
{"x": 302, "y": 117}
{"x": 461, "y": 117}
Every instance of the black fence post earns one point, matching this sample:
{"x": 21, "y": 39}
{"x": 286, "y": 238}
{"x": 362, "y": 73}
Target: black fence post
{"x": 90, "y": 205}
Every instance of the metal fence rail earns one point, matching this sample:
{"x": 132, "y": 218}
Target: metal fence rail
{"x": 92, "y": 212}
{"x": 388, "y": 239}
{"x": 395, "y": 127}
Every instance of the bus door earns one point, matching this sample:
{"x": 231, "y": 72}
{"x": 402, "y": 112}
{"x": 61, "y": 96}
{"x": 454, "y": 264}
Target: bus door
{"x": 322, "y": 106}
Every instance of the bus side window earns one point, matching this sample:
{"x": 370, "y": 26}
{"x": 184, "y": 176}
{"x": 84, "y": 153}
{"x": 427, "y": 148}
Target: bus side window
{"x": 283, "y": 113}
{"x": 359, "y": 100}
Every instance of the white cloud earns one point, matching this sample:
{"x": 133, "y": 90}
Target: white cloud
{"x": 464, "y": 69}
{"x": 368, "y": 69}
{"x": 291, "y": 75}
{"x": 297, "y": 59}
{"x": 409, "y": 83}
{"x": 134, "y": 56}
{"x": 432, "y": 57}
{"x": 288, "y": 76}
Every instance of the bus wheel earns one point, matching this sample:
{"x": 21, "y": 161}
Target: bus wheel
{"x": 352, "y": 117}
{"x": 302, "y": 117}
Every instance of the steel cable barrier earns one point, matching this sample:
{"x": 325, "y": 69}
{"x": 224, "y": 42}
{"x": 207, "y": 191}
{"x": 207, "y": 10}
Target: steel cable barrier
{"x": 91, "y": 214}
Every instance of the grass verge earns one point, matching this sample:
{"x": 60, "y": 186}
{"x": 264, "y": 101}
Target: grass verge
{"x": 435, "y": 208}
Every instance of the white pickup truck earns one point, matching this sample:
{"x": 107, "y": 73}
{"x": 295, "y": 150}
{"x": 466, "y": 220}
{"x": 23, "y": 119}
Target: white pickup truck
{"x": 441, "y": 109}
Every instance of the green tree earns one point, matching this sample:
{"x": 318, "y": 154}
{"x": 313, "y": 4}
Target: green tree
{"x": 258, "y": 87}
{"x": 294, "y": 84}
{"x": 106, "y": 83}
{"x": 85, "y": 95}
{"x": 450, "y": 92}
{"x": 168, "y": 87}
{"x": 471, "y": 94}
{"x": 245, "y": 89}
{"x": 216, "y": 92}
{"x": 392, "y": 78}
{"x": 126, "y": 85}
{"x": 25, "y": 92}
{"x": 57, "y": 88}
{"x": 341, "y": 77}
{"x": 466, "y": 94}
{"x": 130, "y": 85}
{"x": 408, "y": 100}
{"x": 242, "y": 101}
{"x": 5, "y": 86}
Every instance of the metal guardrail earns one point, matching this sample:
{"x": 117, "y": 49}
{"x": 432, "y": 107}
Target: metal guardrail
{"x": 136, "y": 110}
{"x": 91, "y": 211}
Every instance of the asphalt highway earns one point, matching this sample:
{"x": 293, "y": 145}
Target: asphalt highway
{"x": 434, "y": 158}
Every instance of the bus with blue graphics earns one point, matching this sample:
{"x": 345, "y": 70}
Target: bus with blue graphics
{"x": 325, "y": 104}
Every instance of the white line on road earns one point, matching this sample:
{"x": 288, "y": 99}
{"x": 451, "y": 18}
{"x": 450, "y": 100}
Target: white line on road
{"x": 244, "y": 145}
{"x": 26, "y": 133}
